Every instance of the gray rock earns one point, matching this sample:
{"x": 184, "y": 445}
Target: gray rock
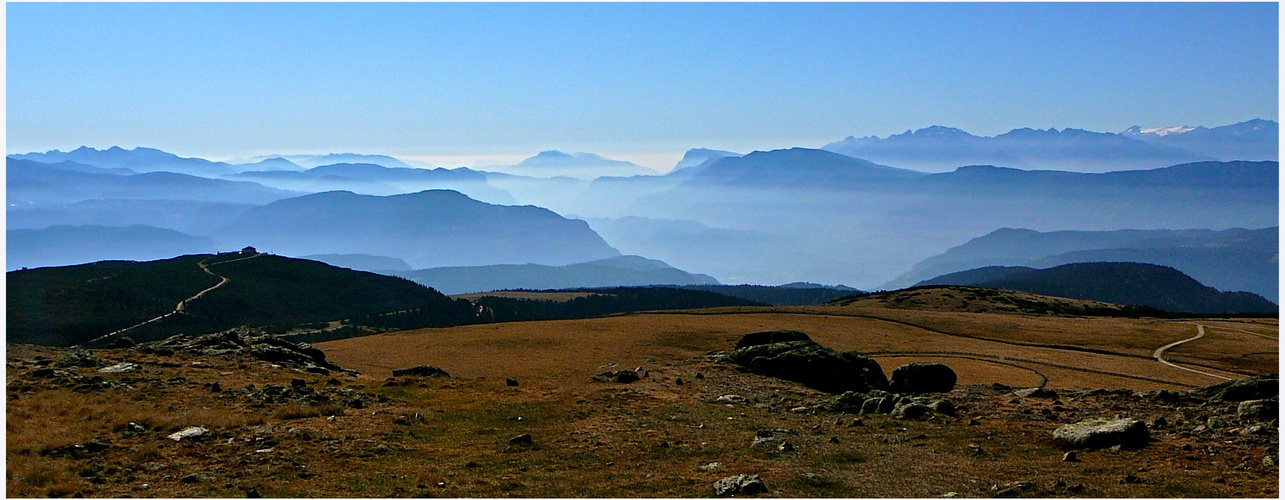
{"x": 762, "y": 441}
{"x": 1256, "y": 387}
{"x": 1103, "y": 433}
{"x": 848, "y": 402}
{"x": 1258, "y": 409}
{"x": 811, "y": 364}
{"x": 917, "y": 378}
{"x": 871, "y": 406}
{"x": 618, "y": 376}
{"x": 1070, "y": 457}
{"x": 421, "y": 371}
{"x": 522, "y": 440}
{"x": 79, "y": 358}
{"x": 1216, "y": 423}
{"x": 1012, "y": 489}
{"x": 119, "y": 368}
{"x": 195, "y": 432}
{"x": 732, "y": 399}
{"x": 743, "y": 484}
{"x": 712, "y": 466}
{"x": 943, "y": 407}
{"x": 1037, "y": 392}
{"x": 911, "y": 411}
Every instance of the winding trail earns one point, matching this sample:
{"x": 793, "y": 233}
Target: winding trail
{"x": 182, "y": 304}
{"x": 1159, "y": 354}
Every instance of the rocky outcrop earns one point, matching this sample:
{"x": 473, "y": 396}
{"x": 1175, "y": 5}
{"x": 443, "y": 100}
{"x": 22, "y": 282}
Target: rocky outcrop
{"x": 421, "y": 371}
{"x": 917, "y": 378}
{"x": 809, "y": 363}
{"x": 617, "y": 376}
{"x": 771, "y": 337}
{"x": 1256, "y": 387}
{"x": 1103, "y": 433}
{"x": 248, "y": 341}
{"x": 743, "y": 484}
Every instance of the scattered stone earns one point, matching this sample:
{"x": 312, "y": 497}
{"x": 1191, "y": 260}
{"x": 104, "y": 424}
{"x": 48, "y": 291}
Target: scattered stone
{"x": 711, "y": 466}
{"x": 917, "y": 378}
{"x": 80, "y": 357}
{"x": 253, "y": 493}
{"x": 1215, "y": 423}
{"x": 297, "y": 383}
{"x": 618, "y": 376}
{"x": 811, "y": 364}
{"x": 732, "y": 399}
{"x": 1070, "y": 457}
{"x": 195, "y": 477}
{"x": 119, "y": 368}
{"x": 319, "y": 370}
{"x": 1159, "y": 423}
{"x": 699, "y": 376}
{"x": 856, "y": 422}
{"x": 1130, "y": 479}
{"x": 195, "y": 432}
{"x": 421, "y": 371}
{"x": 1012, "y": 489}
{"x": 510, "y": 382}
{"x": 834, "y": 439}
{"x": 743, "y": 484}
{"x": 1102, "y": 433}
{"x": 785, "y": 447}
{"x": 1037, "y": 392}
{"x": 1258, "y": 409}
{"x": 948, "y": 494}
{"x": 974, "y": 422}
{"x": 522, "y": 440}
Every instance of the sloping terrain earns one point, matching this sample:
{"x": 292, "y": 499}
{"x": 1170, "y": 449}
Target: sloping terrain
{"x": 76, "y": 304}
{"x": 692, "y": 419}
{"x": 1126, "y": 283}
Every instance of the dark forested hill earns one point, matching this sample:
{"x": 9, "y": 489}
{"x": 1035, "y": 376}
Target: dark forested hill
{"x": 1126, "y": 283}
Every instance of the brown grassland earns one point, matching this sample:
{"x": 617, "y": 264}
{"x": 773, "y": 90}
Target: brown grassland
{"x": 449, "y": 437}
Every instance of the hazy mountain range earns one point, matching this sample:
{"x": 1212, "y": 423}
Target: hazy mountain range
{"x": 587, "y": 166}
{"x": 763, "y": 217}
{"x": 940, "y": 148}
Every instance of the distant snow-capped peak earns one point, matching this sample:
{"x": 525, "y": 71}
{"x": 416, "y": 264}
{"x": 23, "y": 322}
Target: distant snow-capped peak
{"x": 1159, "y": 131}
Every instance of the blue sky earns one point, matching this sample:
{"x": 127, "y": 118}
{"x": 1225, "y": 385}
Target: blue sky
{"x": 464, "y": 84}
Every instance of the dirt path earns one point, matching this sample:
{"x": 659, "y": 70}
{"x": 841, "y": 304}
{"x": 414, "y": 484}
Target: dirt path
{"x": 1159, "y": 354}
{"x": 182, "y": 304}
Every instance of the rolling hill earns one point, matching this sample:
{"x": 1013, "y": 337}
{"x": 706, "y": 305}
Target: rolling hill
{"x": 1125, "y": 283}
{"x": 71, "y": 305}
{"x": 31, "y": 182}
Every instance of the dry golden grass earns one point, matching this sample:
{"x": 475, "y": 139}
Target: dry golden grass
{"x": 649, "y": 438}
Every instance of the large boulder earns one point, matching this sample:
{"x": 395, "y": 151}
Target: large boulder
{"x": 917, "y": 378}
{"x": 771, "y": 337}
{"x": 811, "y": 364}
{"x": 743, "y": 484}
{"x": 1103, "y": 433}
{"x": 1258, "y": 409}
{"x": 1256, "y": 387}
